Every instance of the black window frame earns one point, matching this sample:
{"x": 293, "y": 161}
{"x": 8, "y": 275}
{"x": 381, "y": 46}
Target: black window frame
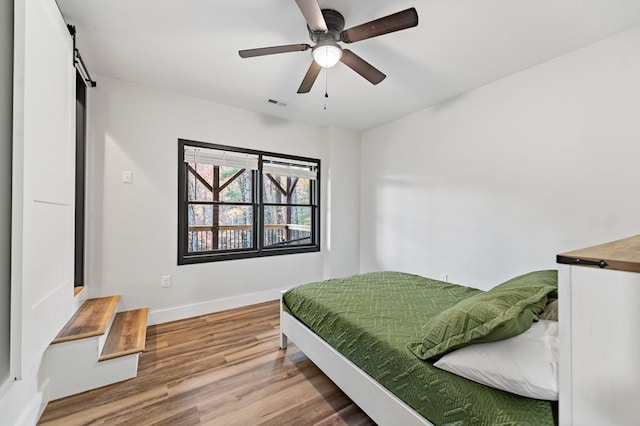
{"x": 258, "y": 205}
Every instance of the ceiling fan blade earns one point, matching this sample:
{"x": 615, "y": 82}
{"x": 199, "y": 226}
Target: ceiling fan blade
{"x": 249, "y": 53}
{"x": 310, "y": 77}
{"x": 313, "y": 15}
{"x": 395, "y": 22}
{"x": 362, "y": 67}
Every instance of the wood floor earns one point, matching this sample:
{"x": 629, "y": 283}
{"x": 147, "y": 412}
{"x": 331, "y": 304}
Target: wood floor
{"x": 220, "y": 369}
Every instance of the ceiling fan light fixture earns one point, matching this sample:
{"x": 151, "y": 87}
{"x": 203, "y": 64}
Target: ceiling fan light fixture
{"x": 326, "y": 29}
{"x": 327, "y": 53}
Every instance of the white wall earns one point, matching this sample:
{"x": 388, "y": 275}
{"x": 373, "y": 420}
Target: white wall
{"x": 42, "y": 202}
{"x": 131, "y": 230}
{"x": 498, "y": 181}
{"x": 343, "y": 207}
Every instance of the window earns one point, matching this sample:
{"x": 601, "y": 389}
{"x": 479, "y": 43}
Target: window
{"x": 237, "y": 203}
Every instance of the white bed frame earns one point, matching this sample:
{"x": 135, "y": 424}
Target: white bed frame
{"x": 382, "y": 406}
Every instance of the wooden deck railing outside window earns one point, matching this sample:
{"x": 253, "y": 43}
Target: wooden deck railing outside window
{"x": 230, "y": 237}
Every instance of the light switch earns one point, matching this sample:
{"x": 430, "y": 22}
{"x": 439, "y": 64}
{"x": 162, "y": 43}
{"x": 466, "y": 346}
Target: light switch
{"x": 127, "y": 177}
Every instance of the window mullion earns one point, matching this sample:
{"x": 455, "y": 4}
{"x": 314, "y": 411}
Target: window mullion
{"x": 258, "y": 207}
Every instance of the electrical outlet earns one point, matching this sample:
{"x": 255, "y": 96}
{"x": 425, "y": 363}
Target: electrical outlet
{"x": 444, "y": 277}
{"x": 165, "y": 281}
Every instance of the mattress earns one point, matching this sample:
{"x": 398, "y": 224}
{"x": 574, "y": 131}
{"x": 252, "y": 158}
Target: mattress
{"x": 370, "y": 318}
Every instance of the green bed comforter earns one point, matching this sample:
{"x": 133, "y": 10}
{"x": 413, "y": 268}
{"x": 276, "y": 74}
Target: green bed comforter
{"x": 370, "y": 318}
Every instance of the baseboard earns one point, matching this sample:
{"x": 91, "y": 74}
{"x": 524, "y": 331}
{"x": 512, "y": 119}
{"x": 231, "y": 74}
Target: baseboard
{"x": 34, "y": 410}
{"x": 188, "y": 311}
{"x": 24, "y": 401}
{"x": 36, "y": 407}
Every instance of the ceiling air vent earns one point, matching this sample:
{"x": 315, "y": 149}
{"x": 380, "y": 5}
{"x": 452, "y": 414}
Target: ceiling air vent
{"x": 277, "y": 102}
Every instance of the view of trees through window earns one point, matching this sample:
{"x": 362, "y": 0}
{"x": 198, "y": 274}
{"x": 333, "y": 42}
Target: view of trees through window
{"x": 232, "y": 208}
{"x": 287, "y": 211}
{"x": 220, "y": 197}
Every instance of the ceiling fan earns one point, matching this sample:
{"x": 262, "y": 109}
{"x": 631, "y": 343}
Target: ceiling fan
{"x": 326, "y": 29}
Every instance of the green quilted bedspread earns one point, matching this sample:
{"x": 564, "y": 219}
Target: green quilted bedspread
{"x": 370, "y": 318}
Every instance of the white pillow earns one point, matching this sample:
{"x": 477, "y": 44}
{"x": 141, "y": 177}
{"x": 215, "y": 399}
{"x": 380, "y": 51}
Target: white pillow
{"x": 526, "y": 364}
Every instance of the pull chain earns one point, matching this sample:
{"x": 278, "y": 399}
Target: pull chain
{"x": 326, "y": 87}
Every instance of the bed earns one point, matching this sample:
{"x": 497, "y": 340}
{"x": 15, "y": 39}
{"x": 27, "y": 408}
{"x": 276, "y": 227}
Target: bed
{"x": 367, "y": 332}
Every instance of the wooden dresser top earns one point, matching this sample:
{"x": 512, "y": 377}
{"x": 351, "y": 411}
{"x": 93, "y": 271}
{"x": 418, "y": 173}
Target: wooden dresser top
{"x": 620, "y": 255}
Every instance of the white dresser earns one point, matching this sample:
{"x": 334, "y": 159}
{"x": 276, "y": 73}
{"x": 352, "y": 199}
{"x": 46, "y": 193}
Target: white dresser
{"x": 599, "y": 314}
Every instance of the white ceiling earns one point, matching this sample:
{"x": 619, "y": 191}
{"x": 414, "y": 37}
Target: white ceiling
{"x": 191, "y": 47}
